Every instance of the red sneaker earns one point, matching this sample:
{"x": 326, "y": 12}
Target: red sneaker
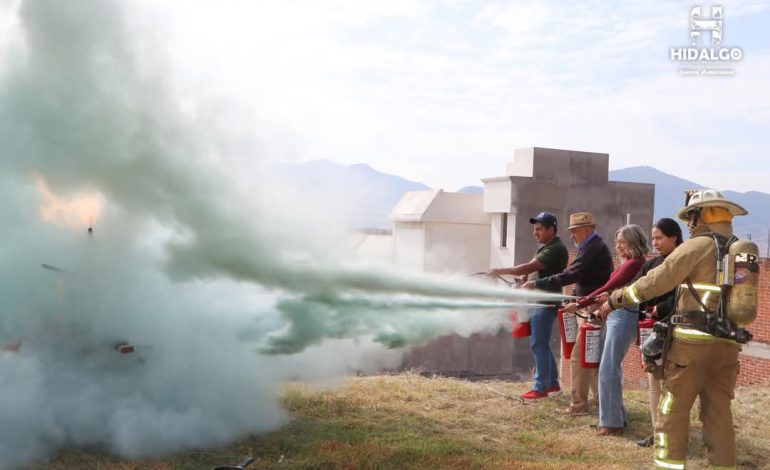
{"x": 534, "y": 395}
{"x": 554, "y": 391}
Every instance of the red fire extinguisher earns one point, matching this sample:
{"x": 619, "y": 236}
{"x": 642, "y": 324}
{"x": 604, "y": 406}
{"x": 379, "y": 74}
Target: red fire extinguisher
{"x": 644, "y": 331}
{"x": 591, "y": 337}
{"x": 569, "y": 331}
{"x": 521, "y": 327}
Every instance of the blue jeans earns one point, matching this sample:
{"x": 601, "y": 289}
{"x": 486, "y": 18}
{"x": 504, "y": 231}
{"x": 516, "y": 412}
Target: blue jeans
{"x": 541, "y": 322}
{"x": 619, "y": 331}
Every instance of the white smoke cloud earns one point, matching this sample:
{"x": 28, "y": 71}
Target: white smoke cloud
{"x": 194, "y": 269}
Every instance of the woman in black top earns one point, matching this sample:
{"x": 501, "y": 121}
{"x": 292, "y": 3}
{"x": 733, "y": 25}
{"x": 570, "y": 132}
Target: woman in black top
{"x": 666, "y": 236}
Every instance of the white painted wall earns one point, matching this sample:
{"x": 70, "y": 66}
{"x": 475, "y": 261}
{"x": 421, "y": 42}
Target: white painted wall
{"x": 458, "y": 208}
{"x": 497, "y": 195}
{"x": 409, "y": 244}
{"x": 457, "y": 248}
{"x": 441, "y": 232}
{"x": 375, "y": 247}
{"x": 523, "y": 163}
{"x": 500, "y": 256}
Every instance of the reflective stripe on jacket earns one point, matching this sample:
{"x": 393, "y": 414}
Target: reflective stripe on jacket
{"x": 694, "y": 259}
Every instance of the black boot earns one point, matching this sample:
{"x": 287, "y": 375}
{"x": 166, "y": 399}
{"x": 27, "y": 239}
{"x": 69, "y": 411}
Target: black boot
{"x": 646, "y": 442}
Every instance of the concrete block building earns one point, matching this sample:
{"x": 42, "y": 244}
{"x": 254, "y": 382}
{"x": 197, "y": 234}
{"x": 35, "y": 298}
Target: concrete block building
{"x": 561, "y": 182}
{"x": 538, "y": 179}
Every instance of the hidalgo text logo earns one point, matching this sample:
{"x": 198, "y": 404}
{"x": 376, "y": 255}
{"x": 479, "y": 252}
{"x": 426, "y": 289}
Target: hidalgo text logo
{"x": 706, "y": 58}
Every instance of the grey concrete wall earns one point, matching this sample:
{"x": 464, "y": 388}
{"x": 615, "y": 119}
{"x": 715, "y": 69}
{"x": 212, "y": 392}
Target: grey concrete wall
{"x": 478, "y": 356}
{"x": 565, "y": 182}
{"x": 474, "y": 356}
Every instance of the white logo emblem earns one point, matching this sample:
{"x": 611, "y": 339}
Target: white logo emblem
{"x": 714, "y": 25}
{"x": 706, "y": 59}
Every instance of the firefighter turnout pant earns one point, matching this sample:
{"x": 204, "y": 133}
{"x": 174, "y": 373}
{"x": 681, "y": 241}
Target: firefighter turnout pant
{"x": 704, "y": 366}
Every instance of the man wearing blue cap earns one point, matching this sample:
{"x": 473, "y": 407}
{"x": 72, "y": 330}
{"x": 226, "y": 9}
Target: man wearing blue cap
{"x": 551, "y": 258}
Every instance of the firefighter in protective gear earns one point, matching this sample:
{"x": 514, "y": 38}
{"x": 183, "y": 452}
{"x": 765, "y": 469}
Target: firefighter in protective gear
{"x": 698, "y": 363}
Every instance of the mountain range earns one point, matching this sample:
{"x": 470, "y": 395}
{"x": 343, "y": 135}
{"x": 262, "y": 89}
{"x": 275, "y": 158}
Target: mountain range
{"x": 370, "y": 195}
{"x": 367, "y": 195}
{"x": 669, "y": 199}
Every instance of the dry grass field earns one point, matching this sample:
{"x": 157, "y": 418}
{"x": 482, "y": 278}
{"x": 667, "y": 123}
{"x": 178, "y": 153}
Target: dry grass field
{"x": 407, "y": 421}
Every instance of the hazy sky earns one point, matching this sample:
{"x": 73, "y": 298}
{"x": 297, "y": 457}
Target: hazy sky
{"x": 442, "y": 92}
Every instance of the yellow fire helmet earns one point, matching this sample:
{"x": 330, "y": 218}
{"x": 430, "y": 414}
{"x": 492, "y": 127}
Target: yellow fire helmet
{"x": 708, "y": 198}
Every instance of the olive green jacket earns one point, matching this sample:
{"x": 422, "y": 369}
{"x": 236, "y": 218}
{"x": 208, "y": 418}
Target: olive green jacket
{"x": 694, "y": 259}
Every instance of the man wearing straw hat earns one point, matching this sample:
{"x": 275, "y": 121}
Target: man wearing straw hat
{"x": 590, "y": 270}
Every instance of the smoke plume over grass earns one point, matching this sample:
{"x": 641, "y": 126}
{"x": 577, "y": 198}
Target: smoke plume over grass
{"x": 193, "y": 269}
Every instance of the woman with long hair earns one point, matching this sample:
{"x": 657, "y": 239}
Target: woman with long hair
{"x": 620, "y": 329}
{"x": 666, "y": 236}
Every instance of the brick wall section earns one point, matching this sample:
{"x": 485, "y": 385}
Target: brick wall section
{"x": 761, "y": 326}
{"x": 753, "y": 371}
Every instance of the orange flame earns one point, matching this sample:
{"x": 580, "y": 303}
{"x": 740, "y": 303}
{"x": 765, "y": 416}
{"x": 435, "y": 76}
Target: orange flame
{"x": 76, "y": 212}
